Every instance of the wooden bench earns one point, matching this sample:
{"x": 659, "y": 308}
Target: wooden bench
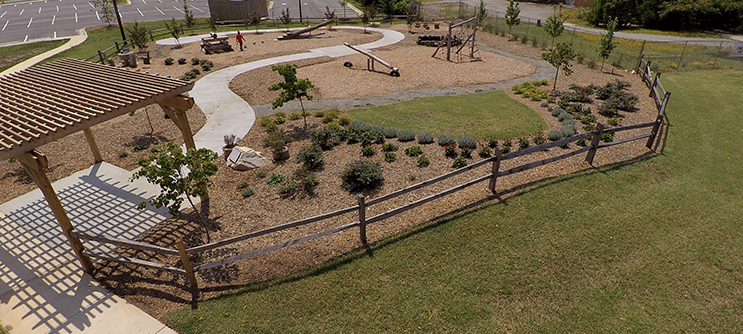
{"x": 218, "y": 44}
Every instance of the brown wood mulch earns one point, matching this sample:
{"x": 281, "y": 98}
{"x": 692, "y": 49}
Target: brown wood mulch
{"x": 229, "y": 214}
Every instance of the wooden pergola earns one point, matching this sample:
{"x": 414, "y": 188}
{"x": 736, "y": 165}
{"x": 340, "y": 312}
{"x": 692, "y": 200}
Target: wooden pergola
{"x": 48, "y": 102}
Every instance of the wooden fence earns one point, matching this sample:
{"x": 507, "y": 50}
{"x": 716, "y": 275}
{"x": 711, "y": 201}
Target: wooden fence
{"x": 363, "y": 204}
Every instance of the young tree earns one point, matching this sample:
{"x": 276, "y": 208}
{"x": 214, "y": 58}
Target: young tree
{"x": 560, "y": 57}
{"x": 387, "y": 7}
{"x": 554, "y": 24}
{"x": 190, "y": 21}
{"x": 365, "y": 18}
{"x": 607, "y": 44}
{"x": 343, "y": 4}
{"x": 175, "y": 30}
{"x": 286, "y": 18}
{"x": 178, "y": 175}
{"x": 292, "y": 88}
{"x": 255, "y": 20}
{"x": 482, "y": 12}
{"x": 105, "y": 10}
{"x": 512, "y": 15}
{"x": 212, "y": 22}
{"x": 329, "y": 15}
{"x": 138, "y": 35}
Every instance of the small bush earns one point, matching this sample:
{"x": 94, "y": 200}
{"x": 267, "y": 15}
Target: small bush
{"x": 450, "y": 151}
{"x": 390, "y": 132}
{"x": 360, "y": 126}
{"x": 123, "y": 154}
{"x": 279, "y": 119}
{"x": 345, "y": 120}
{"x": 589, "y": 127}
{"x": 362, "y": 174}
{"x": 368, "y": 151}
{"x": 182, "y": 61}
{"x": 377, "y": 129}
{"x": 243, "y": 185}
{"x": 319, "y": 114}
{"x": 294, "y": 116}
{"x": 247, "y": 193}
{"x": 310, "y": 156}
{"x": 423, "y": 161}
{"x": 425, "y": 138}
{"x": 568, "y": 130}
{"x": 324, "y": 138}
{"x": 390, "y": 157}
{"x": 588, "y": 119}
{"x": 538, "y": 140}
{"x": 275, "y": 179}
{"x": 467, "y": 142}
{"x": 309, "y": 182}
{"x": 156, "y": 149}
{"x": 579, "y": 59}
{"x": 260, "y": 174}
{"x": 554, "y": 135}
{"x": 607, "y": 137}
{"x": 459, "y": 163}
{"x": 368, "y": 138}
{"x": 445, "y": 140}
{"x": 265, "y": 121}
{"x": 328, "y": 117}
{"x": 557, "y": 111}
{"x": 591, "y": 64}
{"x": 466, "y": 153}
{"x": 288, "y": 188}
{"x": 523, "y": 143}
{"x": 565, "y": 117}
{"x": 405, "y": 135}
{"x": 195, "y": 61}
{"x": 484, "y": 152}
{"x": 614, "y": 121}
{"x": 413, "y": 151}
{"x": 389, "y": 147}
{"x": 492, "y": 143}
{"x": 169, "y": 61}
{"x": 581, "y": 143}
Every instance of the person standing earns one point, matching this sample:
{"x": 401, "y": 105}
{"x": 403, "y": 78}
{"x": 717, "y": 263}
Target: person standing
{"x": 239, "y": 38}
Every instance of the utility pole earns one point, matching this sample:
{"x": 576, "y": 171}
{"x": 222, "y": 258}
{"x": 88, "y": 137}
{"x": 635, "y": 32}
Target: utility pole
{"x": 118, "y": 19}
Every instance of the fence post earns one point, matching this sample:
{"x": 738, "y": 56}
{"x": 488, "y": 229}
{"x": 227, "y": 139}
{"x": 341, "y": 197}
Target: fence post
{"x": 117, "y": 47}
{"x": 714, "y": 63}
{"x": 682, "y": 54}
{"x": 640, "y": 55}
{"x": 595, "y": 143}
{"x": 152, "y": 39}
{"x": 186, "y": 263}
{"x": 362, "y": 219}
{"x": 655, "y": 80}
{"x": 103, "y": 59}
{"x": 656, "y": 126}
{"x": 528, "y": 23}
{"x": 495, "y": 168}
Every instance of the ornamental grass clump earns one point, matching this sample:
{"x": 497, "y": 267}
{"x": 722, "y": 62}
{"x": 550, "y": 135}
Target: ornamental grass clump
{"x": 467, "y": 142}
{"x": 445, "y": 140}
{"x": 405, "y": 135}
{"x": 390, "y": 132}
{"x": 425, "y": 138}
{"x": 362, "y": 175}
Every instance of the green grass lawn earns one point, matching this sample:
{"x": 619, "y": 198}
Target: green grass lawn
{"x": 646, "y": 247}
{"x": 11, "y": 55}
{"x": 481, "y": 116}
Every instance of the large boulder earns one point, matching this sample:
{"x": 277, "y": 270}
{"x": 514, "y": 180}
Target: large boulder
{"x": 245, "y": 158}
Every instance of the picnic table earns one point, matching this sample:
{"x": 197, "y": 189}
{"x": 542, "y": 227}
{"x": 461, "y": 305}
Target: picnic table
{"x": 215, "y": 44}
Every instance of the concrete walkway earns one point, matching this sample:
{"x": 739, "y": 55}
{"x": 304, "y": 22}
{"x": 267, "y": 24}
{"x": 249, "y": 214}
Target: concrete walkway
{"x": 73, "y": 42}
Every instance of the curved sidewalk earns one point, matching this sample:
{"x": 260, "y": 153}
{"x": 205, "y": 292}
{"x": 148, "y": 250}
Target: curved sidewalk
{"x": 73, "y": 42}
{"x": 226, "y": 113}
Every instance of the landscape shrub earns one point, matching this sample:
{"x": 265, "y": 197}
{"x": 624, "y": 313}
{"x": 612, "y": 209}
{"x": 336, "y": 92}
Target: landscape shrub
{"x": 492, "y": 142}
{"x": 529, "y": 90}
{"x": 568, "y": 130}
{"x": 327, "y": 118}
{"x": 325, "y": 138}
{"x": 362, "y": 174}
{"x": 581, "y": 143}
{"x": 319, "y": 114}
{"x": 565, "y": 117}
{"x": 588, "y": 119}
{"x": 279, "y": 119}
{"x": 484, "y": 152}
{"x": 332, "y": 113}
{"x": 368, "y": 151}
{"x": 466, "y": 153}
{"x": 425, "y": 138}
{"x": 557, "y": 111}
{"x": 450, "y": 151}
{"x": 265, "y": 121}
{"x": 467, "y": 142}
{"x": 169, "y": 61}
{"x": 294, "y": 116}
{"x": 413, "y": 151}
{"x": 445, "y": 140}
{"x": 309, "y": 182}
{"x": 275, "y": 179}
{"x": 247, "y": 193}
{"x": 310, "y": 156}
{"x": 423, "y": 161}
{"x": 352, "y": 137}
{"x": 182, "y": 61}
{"x": 538, "y": 140}
{"x": 607, "y": 137}
{"x": 260, "y": 174}
{"x": 390, "y": 132}
{"x": 243, "y": 185}
{"x": 390, "y": 157}
{"x": 206, "y": 65}
{"x": 345, "y": 120}
{"x": 591, "y": 64}
{"x": 377, "y": 129}
{"x": 360, "y": 126}
{"x": 554, "y": 135}
{"x": 123, "y": 154}
{"x": 389, "y": 147}
{"x": 459, "y": 163}
{"x": 195, "y": 61}
{"x": 523, "y": 143}
{"x": 614, "y": 121}
{"x": 406, "y": 135}
{"x": 589, "y": 127}
{"x": 288, "y": 188}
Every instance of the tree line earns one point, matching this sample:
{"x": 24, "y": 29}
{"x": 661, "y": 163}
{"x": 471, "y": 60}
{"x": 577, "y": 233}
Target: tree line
{"x": 687, "y": 15}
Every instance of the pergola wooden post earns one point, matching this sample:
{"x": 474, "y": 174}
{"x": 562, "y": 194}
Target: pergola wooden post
{"x": 48, "y": 102}
{"x": 36, "y": 164}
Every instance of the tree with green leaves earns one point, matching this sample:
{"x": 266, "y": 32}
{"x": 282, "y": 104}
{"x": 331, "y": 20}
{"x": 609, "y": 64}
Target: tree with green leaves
{"x": 189, "y": 19}
{"x": 178, "y": 175}
{"x": 292, "y": 88}
{"x": 138, "y": 35}
{"x": 387, "y": 7}
{"x": 560, "y": 57}
{"x": 482, "y": 12}
{"x": 175, "y": 30}
{"x": 255, "y": 20}
{"x": 607, "y": 44}
{"x": 554, "y": 24}
{"x": 286, "y": 18}
{"x": 365, "y": 18}
{"x": 212, "y": 22}
{"x": 512, "y": 15}
{"x": 105, "y": 9}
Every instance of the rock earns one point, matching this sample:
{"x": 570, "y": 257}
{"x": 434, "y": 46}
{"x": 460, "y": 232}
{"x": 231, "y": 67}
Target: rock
{"x": 545, "y": 104}
{"x": 245, "y": 158}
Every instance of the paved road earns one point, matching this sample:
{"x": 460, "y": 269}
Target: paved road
{"x": 48, "y": 19}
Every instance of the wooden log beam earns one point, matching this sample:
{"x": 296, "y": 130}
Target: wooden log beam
{"x": 35, "y": 165}
{"x": 186, "y": 263}
{"x": 93, "y": 146}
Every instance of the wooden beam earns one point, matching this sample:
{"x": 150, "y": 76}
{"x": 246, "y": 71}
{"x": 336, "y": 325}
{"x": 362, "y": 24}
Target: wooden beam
{"x": 93, "y": 147}
{"x": 35, "y": 165}
{"x": 185, "y": 128}
{"x": 186, "y": 263}
{"x": 178, "y": 102}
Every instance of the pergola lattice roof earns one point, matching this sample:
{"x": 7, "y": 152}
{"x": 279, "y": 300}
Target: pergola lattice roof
{"x": 48, "y": 102}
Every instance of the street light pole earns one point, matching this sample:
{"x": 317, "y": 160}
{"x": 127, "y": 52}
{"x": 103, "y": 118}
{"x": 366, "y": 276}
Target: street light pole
{"x": 118, "y": 19}
{"x": 300, "y": 11}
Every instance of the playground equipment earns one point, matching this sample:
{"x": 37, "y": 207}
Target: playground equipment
{"x": 215, "y": 44}
{"x": 298, "y": 33}
{"x": 370, "y": 62}
{"x": 450, "y": 40}
{"x": 435, "y": 40}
